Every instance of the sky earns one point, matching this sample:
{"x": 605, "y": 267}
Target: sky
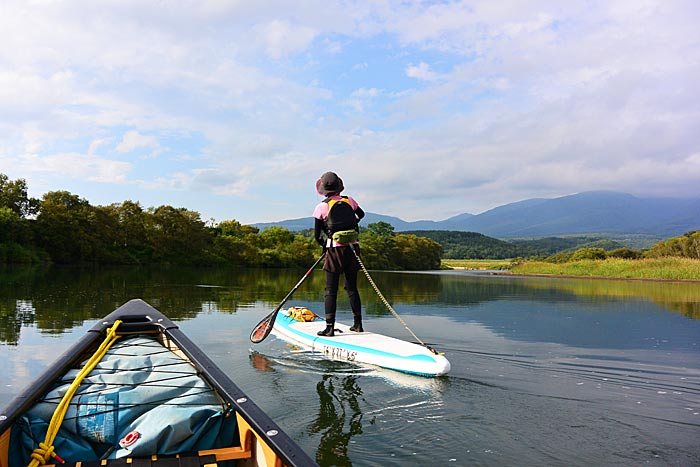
{"x": 426, "y": 110}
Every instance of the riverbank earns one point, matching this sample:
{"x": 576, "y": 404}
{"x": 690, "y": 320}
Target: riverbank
{"x": 666, "y": 268}
{"x": 477, "y": 264}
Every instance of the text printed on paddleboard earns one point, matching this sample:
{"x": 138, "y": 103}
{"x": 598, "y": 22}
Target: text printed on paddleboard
{"x": 339, "y": 354}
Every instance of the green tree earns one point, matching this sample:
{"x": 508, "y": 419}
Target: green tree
{"x": 625, "y": 253}
{"x": 380, "y": 229}
{"x": 13, "y": 195}
{"x": 417, "y": 253}
{"x": 15, "y": 238}
{"x": 588, "y": 253}
{"x": 131, "y": 220}
{"x": 63, "y": 227}
{"x": 12, "y": 227}
{"x": 236, "y": 243}
{"x": 235, "y": 229}
{"x": 234, "y": 251}
{"x": 377, "y": 245}
{"x": 384, "y": 249}
{"x": 177, "y": 235}
{"x": 687, "y": 245}
{"x": 281, "y": 248}
{"x": 562, "y": 257}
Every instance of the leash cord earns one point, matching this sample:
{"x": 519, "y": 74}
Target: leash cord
{"x": 384, "y": 300}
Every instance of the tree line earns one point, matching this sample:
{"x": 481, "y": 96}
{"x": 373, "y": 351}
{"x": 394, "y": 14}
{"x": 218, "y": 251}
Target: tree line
{"x": 473, "y": 245}
{"x": 62, "y": 227}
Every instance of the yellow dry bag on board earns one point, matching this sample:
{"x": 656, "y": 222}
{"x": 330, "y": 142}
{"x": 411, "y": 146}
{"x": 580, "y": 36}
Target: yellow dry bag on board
{"x": 300, "y": 313}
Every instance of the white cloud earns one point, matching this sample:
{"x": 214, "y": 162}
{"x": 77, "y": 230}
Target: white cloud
{"x": 98, "y": 143}
{"x": 28, "y": 95}
{"x": 133, "y": 140}
{"x": 434, "y": 24}
{"x": 421, "y": 71}
{"x": 361, "y": 98}
{"x": 366, "y": 93}
{"x": 539, "y": 23}
{"x": 282, "y": 38}
{"x": 333, "y": 47}
{"x": 219, "y": 181}
{"x": 222, "y": 182}
{"x": 75, "y": 166}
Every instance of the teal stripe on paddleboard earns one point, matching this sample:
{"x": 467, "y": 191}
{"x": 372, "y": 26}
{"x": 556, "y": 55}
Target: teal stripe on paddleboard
{"x": 286, "y": 321}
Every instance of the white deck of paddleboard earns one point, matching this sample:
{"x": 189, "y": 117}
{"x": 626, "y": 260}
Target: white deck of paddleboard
{"x": 363, "y": 347}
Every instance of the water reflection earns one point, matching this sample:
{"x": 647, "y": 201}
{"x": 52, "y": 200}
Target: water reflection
{"x": 466, "y": 288}
{"x": 58, "y": 298}
{"x": 293, "y": 358}
{"x": 13, "y": 318}
{"x": 339, "y": 418}
{"x": 261, "y": 362}
{"x": 680, "y": 297}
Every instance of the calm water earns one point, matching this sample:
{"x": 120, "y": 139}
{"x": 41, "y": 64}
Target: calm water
{"x": 554, "y": 372}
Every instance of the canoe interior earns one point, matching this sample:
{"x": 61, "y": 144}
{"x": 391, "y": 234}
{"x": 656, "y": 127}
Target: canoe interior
{"x": 153, "y": 398}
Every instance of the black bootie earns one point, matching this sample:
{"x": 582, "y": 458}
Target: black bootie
{"x": 357, "y": 326}
{"x": 328, "y": 332}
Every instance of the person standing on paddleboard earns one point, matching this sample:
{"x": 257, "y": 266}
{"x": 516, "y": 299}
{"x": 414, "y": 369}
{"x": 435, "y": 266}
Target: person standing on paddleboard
{"x": 337, "y": 217}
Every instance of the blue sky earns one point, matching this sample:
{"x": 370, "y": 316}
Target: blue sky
{"x": 425, "y": 109}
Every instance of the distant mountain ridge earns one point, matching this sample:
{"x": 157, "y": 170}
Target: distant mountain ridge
{"x": 592, "y": 212}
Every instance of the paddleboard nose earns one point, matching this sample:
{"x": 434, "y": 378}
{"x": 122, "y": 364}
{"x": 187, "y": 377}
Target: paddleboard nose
{"x": 442, "y": 365}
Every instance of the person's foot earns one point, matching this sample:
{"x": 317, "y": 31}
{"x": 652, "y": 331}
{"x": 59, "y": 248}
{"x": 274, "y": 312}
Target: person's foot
{"x": 328, "y": 332}
{"x": 357, "y": 327}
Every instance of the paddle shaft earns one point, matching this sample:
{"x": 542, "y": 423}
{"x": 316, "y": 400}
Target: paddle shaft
{"x": 269, "y": 320}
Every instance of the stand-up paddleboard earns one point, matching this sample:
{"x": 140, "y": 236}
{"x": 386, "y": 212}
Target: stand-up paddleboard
{"x": 361, "y": 347}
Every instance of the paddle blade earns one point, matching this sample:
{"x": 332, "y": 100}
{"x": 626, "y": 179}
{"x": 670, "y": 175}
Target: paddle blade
{"x": 261, "y": 331}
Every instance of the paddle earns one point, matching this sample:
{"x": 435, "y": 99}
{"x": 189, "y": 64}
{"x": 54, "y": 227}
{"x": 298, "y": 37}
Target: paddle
{"x": 264, "y": 327}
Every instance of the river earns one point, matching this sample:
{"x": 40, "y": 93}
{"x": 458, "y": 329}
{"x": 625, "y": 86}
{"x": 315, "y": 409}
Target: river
{"x": 557, "y": 372}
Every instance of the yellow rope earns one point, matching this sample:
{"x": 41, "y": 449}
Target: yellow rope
{"x": 45, "y": 451}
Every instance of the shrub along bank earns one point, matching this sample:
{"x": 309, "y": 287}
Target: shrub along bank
{"x": 677, "y": 258}
{"x": 663, "y": 268}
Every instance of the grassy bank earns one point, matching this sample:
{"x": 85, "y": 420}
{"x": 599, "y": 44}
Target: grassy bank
{"x": 476, "y": 264}
{"x": 667, "y": 268}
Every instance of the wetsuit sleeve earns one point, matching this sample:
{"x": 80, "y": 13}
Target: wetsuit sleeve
{"x": 318, "y": 232}
{"x": 359, "y": 212}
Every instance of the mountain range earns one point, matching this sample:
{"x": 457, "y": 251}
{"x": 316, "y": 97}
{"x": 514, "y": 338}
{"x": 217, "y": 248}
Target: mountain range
{"x": 592, "y": 212}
